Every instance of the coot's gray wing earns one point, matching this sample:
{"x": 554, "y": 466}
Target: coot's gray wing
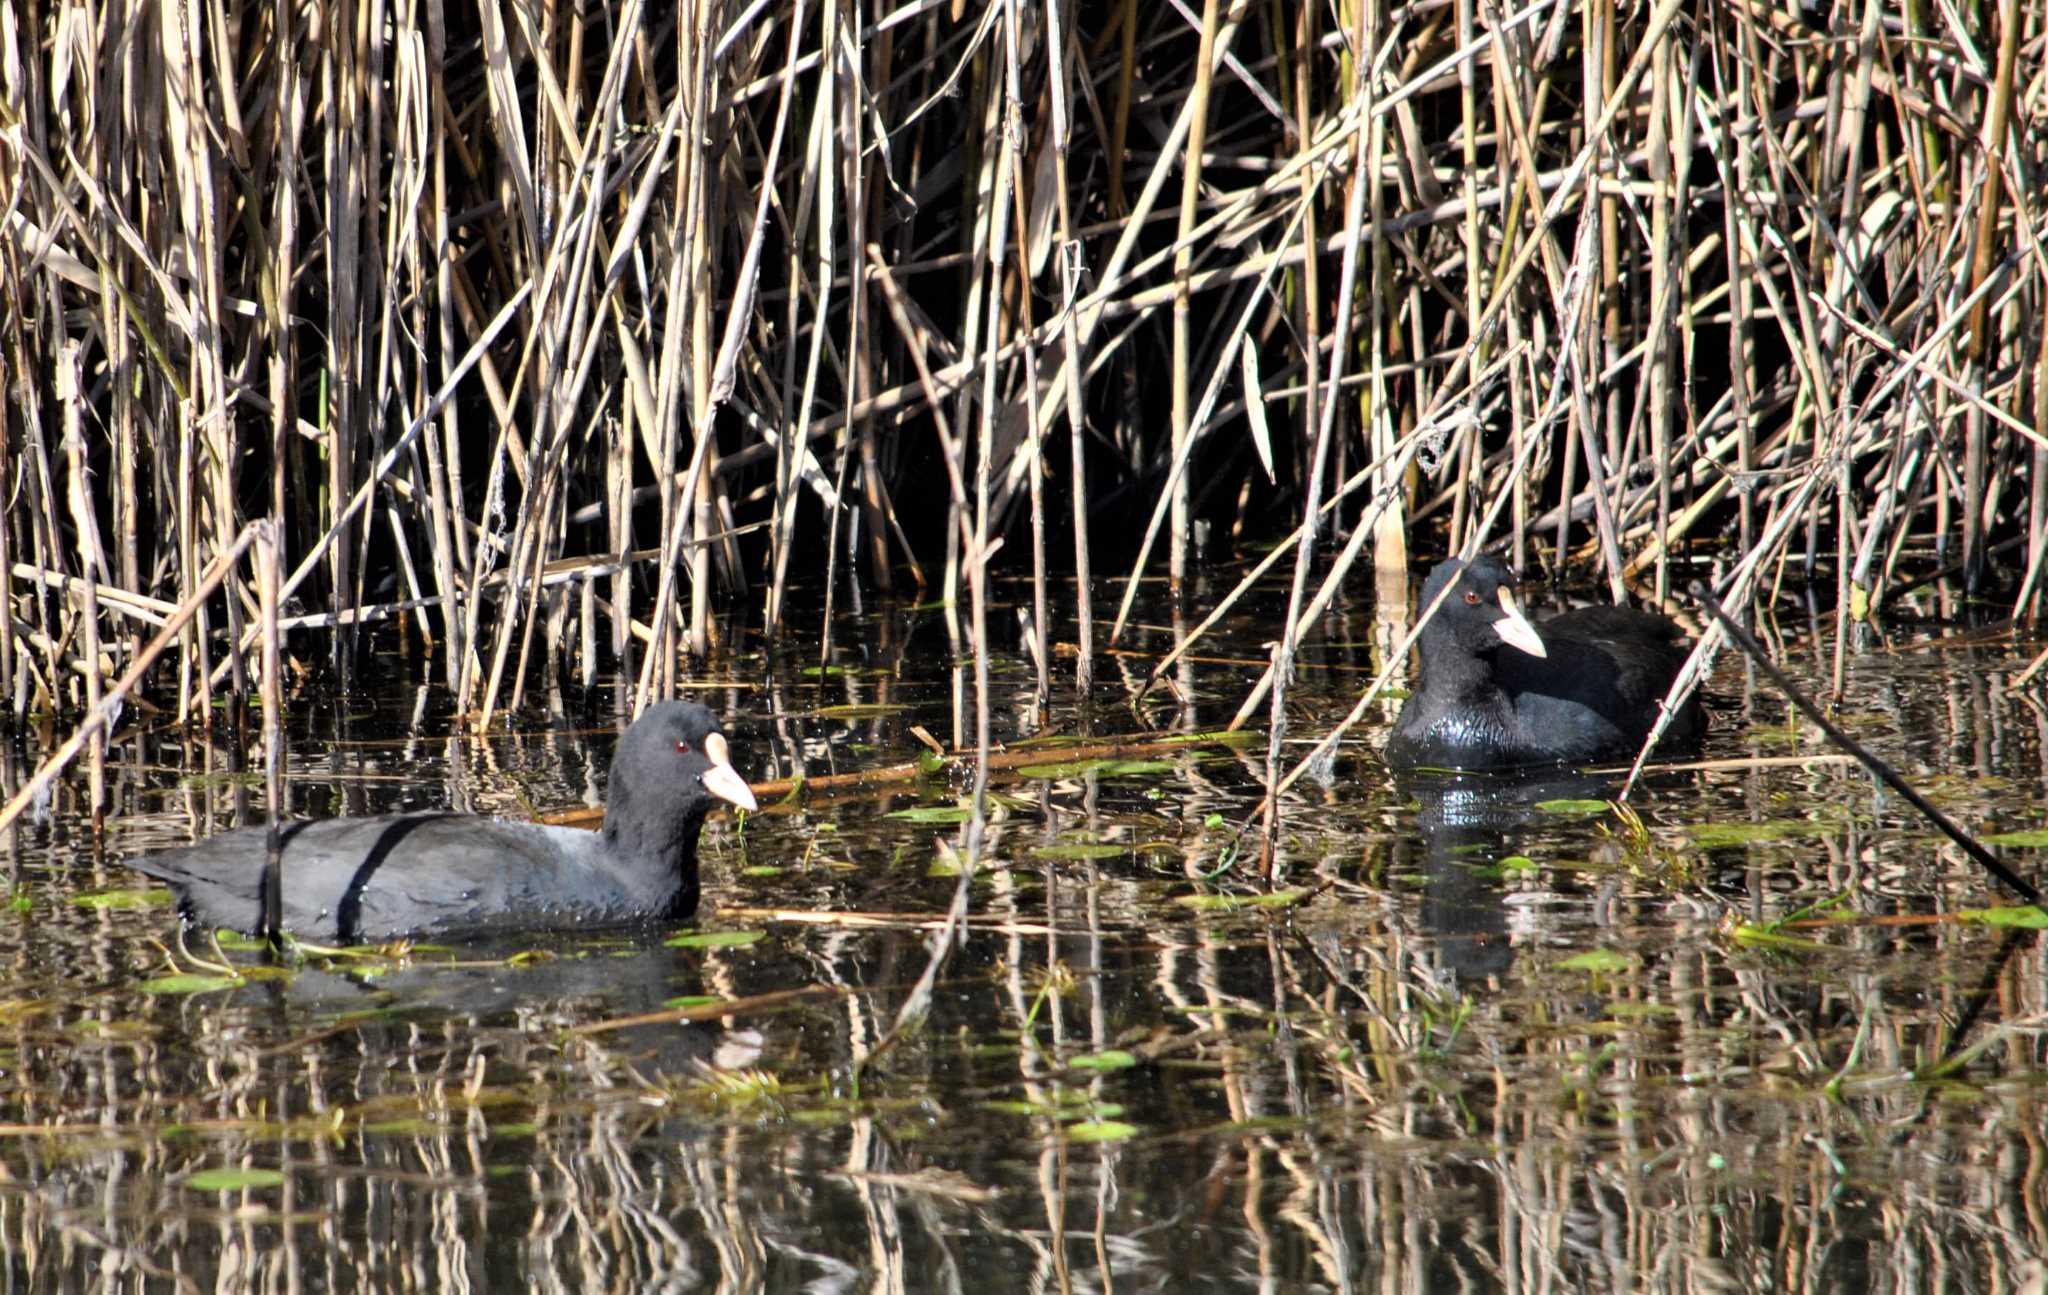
{"x": 1616, "y": 655}
{"x": 1611, "y": 624}
{"x": 471, "y": 876}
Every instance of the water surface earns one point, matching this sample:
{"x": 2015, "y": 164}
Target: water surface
{"x": 1472, "y": 1033}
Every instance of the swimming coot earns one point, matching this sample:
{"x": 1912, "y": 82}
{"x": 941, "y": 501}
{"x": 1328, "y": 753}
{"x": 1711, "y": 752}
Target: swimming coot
{"x": 374, "y": 879}
{"x": 1497, "y": 691}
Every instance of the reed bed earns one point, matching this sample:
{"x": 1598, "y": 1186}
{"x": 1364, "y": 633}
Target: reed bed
{"x": 552, "y": 331}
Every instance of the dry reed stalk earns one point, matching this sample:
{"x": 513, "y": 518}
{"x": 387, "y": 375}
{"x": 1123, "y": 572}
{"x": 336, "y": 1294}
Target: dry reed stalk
{"x": 267, "y": 582}
{"x": 1184, "y": 444}
{"x": 1183, "y": 259}
{"x": 1068, "y": 340}
{"x": 99, "y": 721}
{"x": 790, "y": 449}
{"x": 876, "y": 508}
{"x": 1037, "y": 645}
{"x": 13, "y": 696}
{"x": 1367, "y": 203}
{"x": 90, "y": 561}
{"x": 580, "y": 253}
{"x": 973, "y": 543}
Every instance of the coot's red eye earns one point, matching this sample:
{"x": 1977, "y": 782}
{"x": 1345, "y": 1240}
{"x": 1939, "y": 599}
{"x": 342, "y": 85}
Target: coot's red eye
{"x": 1471, "y": 598}
{"x": 682, "y": 747}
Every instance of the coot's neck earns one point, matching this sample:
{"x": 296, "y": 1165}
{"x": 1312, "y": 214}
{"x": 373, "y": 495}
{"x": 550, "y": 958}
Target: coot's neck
{"x": 657, "y": 853}
{"x": 1451, "y": 667}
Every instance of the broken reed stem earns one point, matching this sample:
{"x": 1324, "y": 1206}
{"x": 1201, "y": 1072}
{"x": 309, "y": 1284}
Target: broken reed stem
{"x": 1883, "y": 772}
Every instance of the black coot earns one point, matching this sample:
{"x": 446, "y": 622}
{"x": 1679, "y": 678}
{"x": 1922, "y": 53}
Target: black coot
{"x": 1498, "y": 692}
{"x": 374, "y": 879}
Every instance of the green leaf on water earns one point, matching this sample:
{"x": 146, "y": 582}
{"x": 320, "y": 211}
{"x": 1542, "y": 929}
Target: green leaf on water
{"x": 1101, "y": 768}
{"x": 1764, "y": 935}
{"x": 1643, "y": 1011}
{"x": 2023, "y": 917}
{"x": 151, "y": 897}
{"x": 1078, "y": 851}
{"x": 692, "y": 1000}
{"x": 190, "y": 983}
{"x": 203, "y": 781}
{"x": 1049, "y": 741}
{"x": 1100, "y": 1131}
{"x": 1572, "y": 806}
{"x": 229, "y": 1180}
{"x": 1234, "y": 903}
{"x": 1708, "y": 836}
{"x": 1216, "y": 737}
{"x": 1598, "y": 961}
{"x": 2037, "y": 837}
{"x": 859, "y": 710}
{"x": 1518, "y": 863}
{"x": 931, "y": 814}
{"x": 713, "y": 939}
{"x": 1126, "y": 768}
{"x": 761, "y": 870}
{"x": 1068, "y": 769}
{"x": 1112, "y": 1059}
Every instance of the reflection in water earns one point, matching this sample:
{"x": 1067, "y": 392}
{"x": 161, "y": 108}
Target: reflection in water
{"x": 1466, "y": 824}
{"x": 1412, "y": 1078}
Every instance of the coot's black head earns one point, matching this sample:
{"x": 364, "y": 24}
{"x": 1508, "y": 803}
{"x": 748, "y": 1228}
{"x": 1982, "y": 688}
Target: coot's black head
{"x": 1481, "y": 613}
{"x": 669, "y": 768}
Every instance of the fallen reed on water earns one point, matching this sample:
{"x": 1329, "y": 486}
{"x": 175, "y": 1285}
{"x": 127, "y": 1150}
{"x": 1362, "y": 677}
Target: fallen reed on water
{"x": 554, "y": 331}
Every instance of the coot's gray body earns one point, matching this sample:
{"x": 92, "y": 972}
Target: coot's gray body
{"x": 439, "y": 874}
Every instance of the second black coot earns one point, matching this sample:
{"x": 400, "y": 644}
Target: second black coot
{"x": 433, "y": 874}
{"x": 1498, "y": 692}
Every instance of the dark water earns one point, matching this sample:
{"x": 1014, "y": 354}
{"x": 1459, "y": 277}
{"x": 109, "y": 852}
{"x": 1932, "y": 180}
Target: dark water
{"x": 1493, "y": 1042}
